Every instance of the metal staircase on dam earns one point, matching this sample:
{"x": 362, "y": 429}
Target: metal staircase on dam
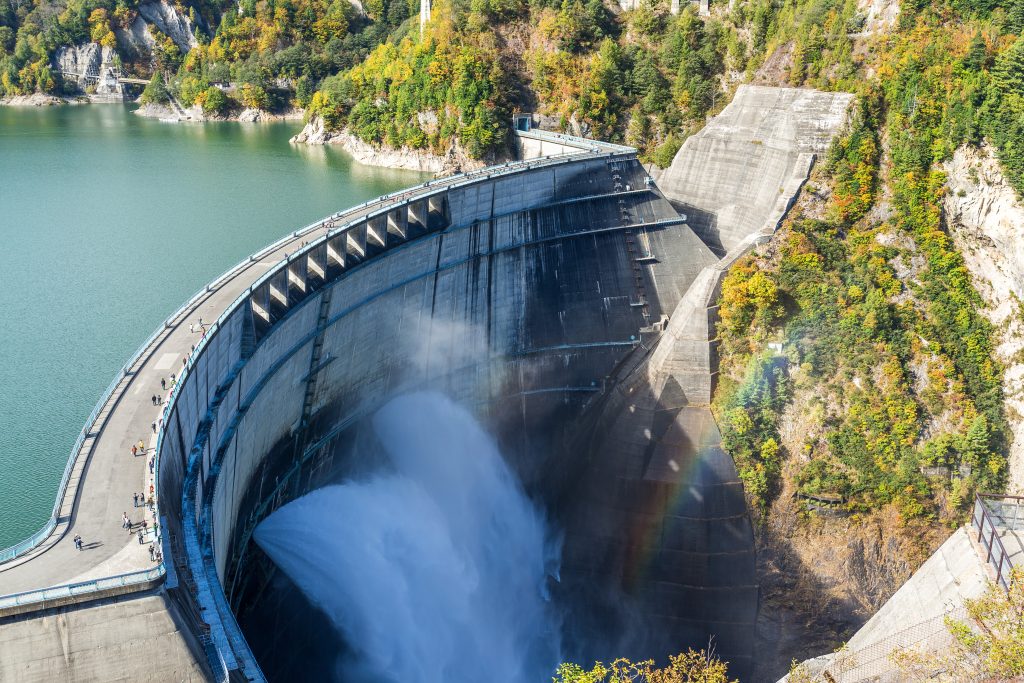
{"x": 636, "y": 257}
{"x": 315, "y": 361}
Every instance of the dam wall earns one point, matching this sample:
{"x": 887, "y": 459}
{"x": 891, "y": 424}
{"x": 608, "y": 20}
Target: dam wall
{"x": 516, "y": 292}
{"x": 535, "y": 143}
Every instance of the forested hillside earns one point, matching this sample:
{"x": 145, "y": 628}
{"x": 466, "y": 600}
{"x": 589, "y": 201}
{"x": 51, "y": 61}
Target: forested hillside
{"x": 641, "y": 76}
{"x": 879, "y": 313}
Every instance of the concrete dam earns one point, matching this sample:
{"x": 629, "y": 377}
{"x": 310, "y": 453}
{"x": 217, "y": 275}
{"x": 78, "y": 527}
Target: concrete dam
{"x": 563, "y": 300}
{"x": 521, "y": 295}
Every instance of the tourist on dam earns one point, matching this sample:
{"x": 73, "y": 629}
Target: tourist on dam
{"x": 135, "y": 500}
{"x": 135, "y": 450}
{"x": 163, "y": 384}
{"x": 125, "y": 522}
{"x": 78, "y": 542}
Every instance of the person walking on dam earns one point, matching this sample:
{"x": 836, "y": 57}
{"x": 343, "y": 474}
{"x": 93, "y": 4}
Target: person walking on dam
{"x": 125, "y": 522}
{"x": 135, "y": 500}
{"x": 163, "y": 384}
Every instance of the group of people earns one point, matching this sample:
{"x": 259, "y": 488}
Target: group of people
{"x": 141, "y": 499}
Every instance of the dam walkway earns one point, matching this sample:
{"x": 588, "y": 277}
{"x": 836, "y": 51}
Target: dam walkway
{"x": 102, "y": 475}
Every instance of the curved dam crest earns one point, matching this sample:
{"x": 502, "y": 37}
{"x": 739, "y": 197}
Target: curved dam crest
{"x": 525, "y": 259}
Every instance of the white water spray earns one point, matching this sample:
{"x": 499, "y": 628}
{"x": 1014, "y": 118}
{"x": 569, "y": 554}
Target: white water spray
{"x": 435, "y": 572}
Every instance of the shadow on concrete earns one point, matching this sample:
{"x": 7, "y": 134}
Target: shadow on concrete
{"x": 704, "y": 224}
{"x": 659, "y": 549}
{"x": 90, "y": 546}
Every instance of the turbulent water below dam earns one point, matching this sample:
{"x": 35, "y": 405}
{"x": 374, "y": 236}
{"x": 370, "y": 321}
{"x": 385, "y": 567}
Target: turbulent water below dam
{"x": 434, "y": 570}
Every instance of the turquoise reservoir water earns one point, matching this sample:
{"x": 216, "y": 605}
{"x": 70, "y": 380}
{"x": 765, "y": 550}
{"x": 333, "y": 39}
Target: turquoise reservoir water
{"x": 108, "y": 222}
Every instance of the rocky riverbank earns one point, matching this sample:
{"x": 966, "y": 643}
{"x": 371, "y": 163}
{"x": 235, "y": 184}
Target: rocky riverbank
{"x": 454, "y": 161}
{"x": 172, "y": 112}
{"x": 40, "y": 100}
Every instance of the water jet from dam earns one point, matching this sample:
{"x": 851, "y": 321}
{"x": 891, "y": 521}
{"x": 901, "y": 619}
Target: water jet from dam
{"x": 435, "y": 569}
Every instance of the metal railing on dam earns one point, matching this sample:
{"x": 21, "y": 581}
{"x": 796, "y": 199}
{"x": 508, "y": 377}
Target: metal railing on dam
{"x": 992, "y": 516}
{"x": 350, "y": 238}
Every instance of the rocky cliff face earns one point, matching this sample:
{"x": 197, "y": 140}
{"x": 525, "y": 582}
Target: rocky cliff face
{"x": 454, "y": 161}
{"x": 135, "y": 41}
{"x": 89, "y": 65}
{"x": 85, "y": 60}
{"x": 165, "y": 17}
{"x": 986, "y": 220}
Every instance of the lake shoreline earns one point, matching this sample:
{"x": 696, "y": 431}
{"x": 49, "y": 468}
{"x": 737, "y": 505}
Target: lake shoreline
{"x": 154, "y": 111}
{"x": 313, "y": 133}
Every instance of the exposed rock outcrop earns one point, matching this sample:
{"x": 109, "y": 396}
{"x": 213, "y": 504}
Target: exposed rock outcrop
{"x": 151, "y": 110}
{"x": 37, "y": 99}
{"x": 986, "y": 220}
{"x": 454, "y": 161}
{"x": 136, "y": 41}
{"x": 89, "y": 65}
{"x": 251, "y": 115}
{"x": 879, "y": 15}
{"x": 175, "y": 25}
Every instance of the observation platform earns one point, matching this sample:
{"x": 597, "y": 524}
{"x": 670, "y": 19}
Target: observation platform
{"x": 980, "y": 554}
